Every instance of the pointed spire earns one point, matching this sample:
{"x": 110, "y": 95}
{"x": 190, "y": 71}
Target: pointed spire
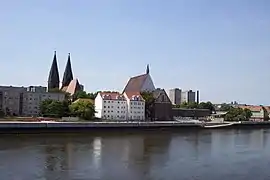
{"x": 53, "y": 80}
{"x": 147, "y": 69}
{"x": 68, "y": 76}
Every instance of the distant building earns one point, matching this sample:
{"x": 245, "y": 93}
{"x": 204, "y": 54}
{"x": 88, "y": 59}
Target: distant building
{"x": 135, "y": 106}
{"x": 25, "y": 101}
{"x": 111, "y": 105}
{"x": 188, "y": 96}
{"x": 140, "y": 83}
{"x": 175, "y": 96}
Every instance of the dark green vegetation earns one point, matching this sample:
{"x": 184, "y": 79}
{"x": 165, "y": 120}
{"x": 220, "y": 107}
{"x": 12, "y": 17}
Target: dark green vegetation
{"x": 238, "y": 114}
{"x": 194, "y": 105}
{"x": 84, "y": 95}
{"x": 149, "y": 104}
{"x": 82, "y": 109}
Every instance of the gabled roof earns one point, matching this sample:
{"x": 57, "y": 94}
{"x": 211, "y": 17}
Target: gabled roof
{"x": 135, "y": 84}
{"x": 111, "y": 96}
{"x": 73, "y": 87}
{"x": 130, "y": 95}
{"x": 159, "y": 92}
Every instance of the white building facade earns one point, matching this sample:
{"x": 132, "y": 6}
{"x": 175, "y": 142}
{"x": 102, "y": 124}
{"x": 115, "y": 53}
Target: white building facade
{"x": 135, "y": 106}
{"x": 111, "y": 105}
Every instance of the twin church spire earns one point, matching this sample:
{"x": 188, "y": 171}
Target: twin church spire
{"x": 54, "y": 80}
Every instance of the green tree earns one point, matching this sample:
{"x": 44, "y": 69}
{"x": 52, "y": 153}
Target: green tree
{"x": 53, "y": 108}
{"x": 83, "y": 109}
{"x": 265, "y": 114}
{"x": 149, "y": 105}
{"x": 225, "y": 107}
{"x": 238, "y": 114}
{"x": 85, "y": 95}
{"x": 207, "y": 105}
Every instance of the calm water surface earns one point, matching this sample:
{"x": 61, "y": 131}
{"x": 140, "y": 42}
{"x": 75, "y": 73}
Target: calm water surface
{"x": 205, "y": 154}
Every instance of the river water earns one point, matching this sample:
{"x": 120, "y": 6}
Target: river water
{"x": 141, "y": 155}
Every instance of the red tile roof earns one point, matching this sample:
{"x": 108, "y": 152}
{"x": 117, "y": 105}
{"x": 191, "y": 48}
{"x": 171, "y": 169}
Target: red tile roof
{"x": 132, "y": 94}
{"x": 112, "y": 96}
{"x": 252, "y": 108}
{"x": 135, "y": 83}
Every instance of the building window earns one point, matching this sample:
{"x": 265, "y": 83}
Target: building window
{"x": 111, "y": 106}
{"x": 111, "y": 111}
{"x": 117, "y": 111}
{"x": 104, "y": 111}
{"x": 104, "y": 106}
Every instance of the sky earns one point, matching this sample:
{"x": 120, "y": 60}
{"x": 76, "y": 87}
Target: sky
{"x": 221, "y": 48}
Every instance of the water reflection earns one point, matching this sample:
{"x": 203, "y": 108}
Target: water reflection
{"x": 163, "y": 155}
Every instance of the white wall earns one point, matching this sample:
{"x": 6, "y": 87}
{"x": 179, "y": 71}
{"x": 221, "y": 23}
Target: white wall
{"x": 136, "y": 110}
{"x": 98, "y": 106}
{"x": 114, "y": 109}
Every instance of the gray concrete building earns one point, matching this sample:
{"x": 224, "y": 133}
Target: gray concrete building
{"x": 175, "y": 96}
{"x": 25, "y": 101}
{"x": 188, "y": 96}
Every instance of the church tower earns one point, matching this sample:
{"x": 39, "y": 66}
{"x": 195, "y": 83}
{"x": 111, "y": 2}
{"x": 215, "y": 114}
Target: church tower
{"x": 68, "y": 75}
{"x": 147, "y": 69}
{"x": 53, "y": 80}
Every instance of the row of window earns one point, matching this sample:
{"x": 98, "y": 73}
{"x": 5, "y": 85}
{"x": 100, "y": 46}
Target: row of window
{"x": 112, "y": 117}
{"x": 122, "y": 107}
{"x": 122, "y": 102}
{"x": 112, "y": 111}
{"x": 132, "y": 103}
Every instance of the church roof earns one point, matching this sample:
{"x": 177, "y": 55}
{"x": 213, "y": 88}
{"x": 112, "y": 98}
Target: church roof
{"x": 135, "y": 84}
{"x": 53, "y": 79}
{"x": 68, "y": 76}
{"x": 73, "y": 87}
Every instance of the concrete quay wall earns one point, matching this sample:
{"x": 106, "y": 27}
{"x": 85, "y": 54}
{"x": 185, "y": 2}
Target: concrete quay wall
{"x": 63, "y": 125}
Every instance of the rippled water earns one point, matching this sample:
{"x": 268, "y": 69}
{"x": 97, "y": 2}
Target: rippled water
{"x": 204, "y": 154}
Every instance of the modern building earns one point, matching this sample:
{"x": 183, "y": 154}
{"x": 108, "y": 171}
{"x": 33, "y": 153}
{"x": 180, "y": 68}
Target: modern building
{"x": 111, "y": 105}
{"x": 175, "y": 96}
{"x": 135, "y": 106}
{"x": 25, "y": 101}
{"x": 188, "y": 96}
{"x": 140, "y": 83}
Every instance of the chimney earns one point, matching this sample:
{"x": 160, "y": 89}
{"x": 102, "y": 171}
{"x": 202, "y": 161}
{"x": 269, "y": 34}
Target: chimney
{"x": 198, "y": 97}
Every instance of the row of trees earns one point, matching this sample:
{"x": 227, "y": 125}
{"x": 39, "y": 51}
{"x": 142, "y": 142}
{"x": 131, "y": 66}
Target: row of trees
{"x": 82, "y": 109}
{"x": 238, "y": 114}
{"x": 194, "y": 105}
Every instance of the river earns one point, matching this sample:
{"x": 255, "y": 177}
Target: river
{"x": 142, "y": 155}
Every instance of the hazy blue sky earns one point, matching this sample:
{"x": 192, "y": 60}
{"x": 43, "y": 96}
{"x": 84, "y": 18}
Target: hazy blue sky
{"x": 221, "y": 47}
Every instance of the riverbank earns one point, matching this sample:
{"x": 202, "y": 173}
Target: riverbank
{"x": 48, "y": 126}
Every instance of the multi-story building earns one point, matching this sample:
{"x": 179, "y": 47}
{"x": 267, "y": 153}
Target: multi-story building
{"x": 188, "y": 96}
{"x": 21, "y": 101}
{"x": 11, "y": 100}
{"x": 175, "y": 96}
{"x": 135, "y": 106}
{"x": 33, "y": 97}
{"x": 111, "y": 105}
